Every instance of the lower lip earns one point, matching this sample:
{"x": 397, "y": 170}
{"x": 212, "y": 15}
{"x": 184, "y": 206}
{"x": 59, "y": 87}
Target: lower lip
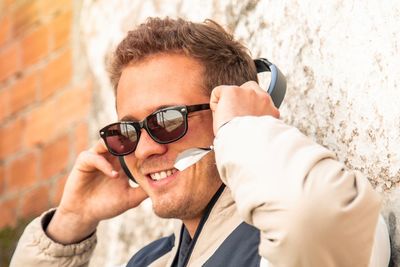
{"x": 162, "y": 182}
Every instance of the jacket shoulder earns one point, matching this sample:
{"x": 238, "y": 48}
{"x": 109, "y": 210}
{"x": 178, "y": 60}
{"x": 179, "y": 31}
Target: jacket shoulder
{"x": 152, "y": 252}
{"x": 239, "y": 249}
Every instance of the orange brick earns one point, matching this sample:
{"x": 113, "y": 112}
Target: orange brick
{"x": 56, "y": 74}
{"x": 5, "y": 29}
{"x": 81, "y": 137}
{"x": 55, "y": 157}
{"x": 11, "y": 137}
{"x": 7, "y": 4}
{"x": 8, "y": 212}
{"x": 36, "y": 45}
{"x": 2, "y": 179}
{"x": 25, "y": 16}
{"x": 35, "y": 201}
{"x": 58, "y": 190}
{"x": 74, "y": 104}
{"x": 41, "y": 124}
{"x": 30, "y": 13}
{"x": 57, "y": 115}
{"x": 61, "y": 28}
{"x": 9, "y": 60}
{"x": 4, "y": 101}
{"x": 23, "y": 172}
{"x": 23, "y": 93}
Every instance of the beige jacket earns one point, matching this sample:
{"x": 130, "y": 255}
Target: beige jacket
{"x": 309, "y": 209}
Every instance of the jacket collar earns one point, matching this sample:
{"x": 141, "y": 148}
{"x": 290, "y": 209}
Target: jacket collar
{"x": 217, "y": 224}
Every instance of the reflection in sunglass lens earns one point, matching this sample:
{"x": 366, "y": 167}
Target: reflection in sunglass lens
{"x": 166, "y": 125}
{"x": 121, "y": 138}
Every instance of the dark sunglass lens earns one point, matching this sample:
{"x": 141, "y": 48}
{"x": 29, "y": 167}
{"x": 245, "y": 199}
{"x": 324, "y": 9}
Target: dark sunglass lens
{"x": 166, "y": 125}
{"x": 121, "y": 138}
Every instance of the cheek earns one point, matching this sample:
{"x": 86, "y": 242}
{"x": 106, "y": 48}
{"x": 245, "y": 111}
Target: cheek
{"x": 131, "y": 163}
{"x": 206, "y": 177}
{"x": 201, "y": 132}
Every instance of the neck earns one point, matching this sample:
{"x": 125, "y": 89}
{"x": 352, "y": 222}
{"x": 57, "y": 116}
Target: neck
{"x": 192, "y": 224}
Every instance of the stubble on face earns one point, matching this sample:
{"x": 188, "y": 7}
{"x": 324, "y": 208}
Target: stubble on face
{"x": 190, "y": 204}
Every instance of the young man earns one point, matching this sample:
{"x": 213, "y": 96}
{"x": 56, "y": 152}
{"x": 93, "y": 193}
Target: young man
{"x": 268, "y": 195}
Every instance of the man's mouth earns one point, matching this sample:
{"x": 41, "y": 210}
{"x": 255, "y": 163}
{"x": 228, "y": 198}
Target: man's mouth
{"x": 157, "y": 176}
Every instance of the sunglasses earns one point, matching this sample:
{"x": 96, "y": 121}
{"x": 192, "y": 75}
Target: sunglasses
{"x": 164, "y": 126}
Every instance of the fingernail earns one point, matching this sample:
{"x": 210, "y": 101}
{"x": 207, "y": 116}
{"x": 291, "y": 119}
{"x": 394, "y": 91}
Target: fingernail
{"x": 114, "y": 173}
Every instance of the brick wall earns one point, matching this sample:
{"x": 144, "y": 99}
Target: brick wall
{"x": 44, "y": 107}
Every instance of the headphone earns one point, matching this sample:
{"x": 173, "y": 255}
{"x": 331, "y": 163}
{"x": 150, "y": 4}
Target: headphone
{"x": 276, "y": 89}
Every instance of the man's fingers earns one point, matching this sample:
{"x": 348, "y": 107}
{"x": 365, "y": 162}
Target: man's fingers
{"x": 263, "y": 96}
{"x": 99, "y": 147}
{"x": 249, "y": 99}
{"x": 91, "y": 162}
{"x": 136, "y": 196}
{"x": 215, "y": 96}
{"x": 252, "y": 85}
{"x": 218, "y": 92}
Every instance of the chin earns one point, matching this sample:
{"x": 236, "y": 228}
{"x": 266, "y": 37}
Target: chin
{"x": 168, "y": 208}
{"x": 163, "y": 208}
{"x": 165, "y": 213}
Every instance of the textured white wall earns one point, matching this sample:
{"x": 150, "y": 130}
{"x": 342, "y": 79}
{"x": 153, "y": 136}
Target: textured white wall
{"x": 342, "y": 63}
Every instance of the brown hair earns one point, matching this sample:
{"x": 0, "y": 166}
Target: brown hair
{"x": 225, "y": 60}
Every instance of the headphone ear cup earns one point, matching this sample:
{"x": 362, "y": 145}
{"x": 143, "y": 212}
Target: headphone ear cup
{"x": 126, "y": 169}
{"x": 277, "y": 86}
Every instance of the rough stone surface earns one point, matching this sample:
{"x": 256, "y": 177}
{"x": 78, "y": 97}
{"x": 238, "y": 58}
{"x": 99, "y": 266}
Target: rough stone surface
{"x": 342, "y": 63}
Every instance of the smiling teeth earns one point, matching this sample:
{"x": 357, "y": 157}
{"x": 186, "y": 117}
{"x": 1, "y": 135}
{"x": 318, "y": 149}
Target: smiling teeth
{"x": 162, "y": 174}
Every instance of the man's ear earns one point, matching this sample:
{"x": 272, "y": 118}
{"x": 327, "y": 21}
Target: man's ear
{"x": 126, "y": 169}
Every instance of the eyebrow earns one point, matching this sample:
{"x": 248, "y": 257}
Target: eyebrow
{"x": 132, "y": 118}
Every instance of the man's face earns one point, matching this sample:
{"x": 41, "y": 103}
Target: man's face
{"x": 144, "y": 87}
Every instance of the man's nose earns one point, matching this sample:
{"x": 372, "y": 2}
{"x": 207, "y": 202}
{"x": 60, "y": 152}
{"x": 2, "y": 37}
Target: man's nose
{"x": 147, "y": 146}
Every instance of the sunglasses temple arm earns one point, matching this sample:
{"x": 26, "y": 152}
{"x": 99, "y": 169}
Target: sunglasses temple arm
{"x": 126, "y": 169}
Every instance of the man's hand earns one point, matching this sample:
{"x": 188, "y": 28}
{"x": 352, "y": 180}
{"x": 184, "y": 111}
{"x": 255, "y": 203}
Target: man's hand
{"x": 96, "y": 189}
{"x": 248, "y": 99}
